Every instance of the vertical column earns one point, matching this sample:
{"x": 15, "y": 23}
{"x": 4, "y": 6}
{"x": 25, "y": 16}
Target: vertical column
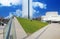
{"x": 30, "y": 9}
{"x": 25, "y": 8}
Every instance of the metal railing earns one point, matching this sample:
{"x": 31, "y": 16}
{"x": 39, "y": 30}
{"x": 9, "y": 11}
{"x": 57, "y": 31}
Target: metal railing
{"x": 9, "y": 30}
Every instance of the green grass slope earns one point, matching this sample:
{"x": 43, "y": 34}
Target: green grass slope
{"x": 31, "y": 26}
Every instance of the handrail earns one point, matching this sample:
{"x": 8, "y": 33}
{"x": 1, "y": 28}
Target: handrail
{"x": 6, "y": 31}
{"x": 9, "y": 31}
{"x": 13, "y": 32}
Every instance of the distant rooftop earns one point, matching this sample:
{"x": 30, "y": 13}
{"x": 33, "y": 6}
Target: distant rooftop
{"x": 53, "y": 16}
{"x": 52, "y": 13}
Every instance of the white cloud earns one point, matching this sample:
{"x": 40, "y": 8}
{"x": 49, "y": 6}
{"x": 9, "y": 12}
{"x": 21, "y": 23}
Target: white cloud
{"x": 18, "y": 12}
{"x": 41, "y": 5}
{"x": 8, "y": 2}
{"x": 4, "y": 2}
{"x": 16, "y": 2}
{"x": 37, "y": 12}
{"x": 9, "y": 16}
{"x": 38, "y": 4}
{"x": 34, "y": 11}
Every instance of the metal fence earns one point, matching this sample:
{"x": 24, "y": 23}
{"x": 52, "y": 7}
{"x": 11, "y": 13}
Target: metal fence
{"x": 9, "y": 30}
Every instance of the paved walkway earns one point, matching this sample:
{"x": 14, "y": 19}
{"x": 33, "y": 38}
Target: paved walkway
{"x": 37, "y": 33}
{"x": 50, "y": 32}
{"x": 20, "y": 33}
{"x": 1, "y": 32}
{"x": 53, "y": 32}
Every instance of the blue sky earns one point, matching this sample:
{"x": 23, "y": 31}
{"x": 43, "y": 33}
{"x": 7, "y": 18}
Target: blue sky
{"x": 4, "y": 11}
{"x": 51, "y": 5}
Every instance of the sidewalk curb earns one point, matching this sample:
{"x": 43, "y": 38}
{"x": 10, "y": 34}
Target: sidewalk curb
{"x": 38, "y": 33}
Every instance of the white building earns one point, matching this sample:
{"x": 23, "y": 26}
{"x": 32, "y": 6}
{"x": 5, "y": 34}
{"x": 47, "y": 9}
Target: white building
{"x": 26, "y": 8}
{"x": 51, "y": 16}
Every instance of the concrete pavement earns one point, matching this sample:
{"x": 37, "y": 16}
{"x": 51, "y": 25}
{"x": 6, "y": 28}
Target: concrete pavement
{"x": 1, "y": 31}
{"x": 52, "y": 31}
{"x": 20, "y": 33}
{"x": 37, "y": 33}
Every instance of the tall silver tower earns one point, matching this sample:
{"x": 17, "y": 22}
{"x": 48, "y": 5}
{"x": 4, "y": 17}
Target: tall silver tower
{"x": 27, "y": 9}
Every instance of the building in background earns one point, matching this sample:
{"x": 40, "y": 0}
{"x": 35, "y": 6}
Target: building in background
{"x": 51, "y": 16}
{"x": 27, "y": 9}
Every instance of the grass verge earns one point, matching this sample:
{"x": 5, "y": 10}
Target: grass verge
{"x": 31, "y": 26}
